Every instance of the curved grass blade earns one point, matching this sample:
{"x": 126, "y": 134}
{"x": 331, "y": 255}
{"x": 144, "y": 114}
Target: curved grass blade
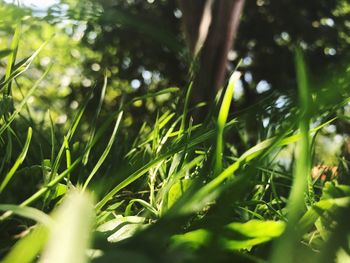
{"x": 18, "y": 162}
{"x": 28, "y": 212}
{"x": 105, "y": 152}
{"x": 146, "y": 205}
{"x": 222, "y": 119}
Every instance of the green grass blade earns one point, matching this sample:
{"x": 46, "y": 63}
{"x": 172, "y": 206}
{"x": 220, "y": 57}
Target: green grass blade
{"x": 221, "y": 122}
{"x": 59, "y": 177}
{"x": 93, "y": 125}
{"x": 154, "y": 94}
{"x": 296, "y": 206}
{"x": 153, "y": 163}
{"x": 68, "y": 157}
{"x": 146, "y": 205}
{"x": 105, "y": 152}
{"x": 186, "y": 106}
{"x": 70, "y": 134}
{"x": 22, "y": 68}
{"x": 18, "y": 162}
{"x": 12, "y": 59}
{"x": 53, "y": 139}
{"x": 133, "y": 177}
{"x": 172, "y": 179}
{"x": 28, "y": 212}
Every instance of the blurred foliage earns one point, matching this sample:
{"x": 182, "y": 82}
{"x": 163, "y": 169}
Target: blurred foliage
{"x": 129, "y": 35}
{"x": 140, "y": 46}
{"x": 125, "y": 37}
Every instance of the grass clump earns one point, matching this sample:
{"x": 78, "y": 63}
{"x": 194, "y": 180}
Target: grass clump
{"x": 174, "y": 192}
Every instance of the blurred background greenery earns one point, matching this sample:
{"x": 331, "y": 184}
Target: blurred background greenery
{"x": 141, "y": 47}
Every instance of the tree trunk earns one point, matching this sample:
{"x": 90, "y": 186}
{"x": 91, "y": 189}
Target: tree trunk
{"x": 210, "y": 27}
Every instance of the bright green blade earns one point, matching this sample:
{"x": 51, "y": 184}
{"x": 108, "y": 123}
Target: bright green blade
{"x": 222, "y": 119}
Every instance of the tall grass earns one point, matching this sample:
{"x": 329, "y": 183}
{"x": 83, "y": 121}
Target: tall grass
{"x": 174, "y": 193}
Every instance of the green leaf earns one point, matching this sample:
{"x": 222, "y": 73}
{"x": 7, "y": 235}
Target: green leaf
{"x": 122, "y": 227}
{"x": 124, "y": 232}
{"x": 118, "y": 220}
{"x": 234, "y": 236}
{"x": 332, "y": 196}
{"x": 192, "y": 240}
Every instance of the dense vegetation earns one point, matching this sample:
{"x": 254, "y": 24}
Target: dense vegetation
{"x": 101, "y": 160}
